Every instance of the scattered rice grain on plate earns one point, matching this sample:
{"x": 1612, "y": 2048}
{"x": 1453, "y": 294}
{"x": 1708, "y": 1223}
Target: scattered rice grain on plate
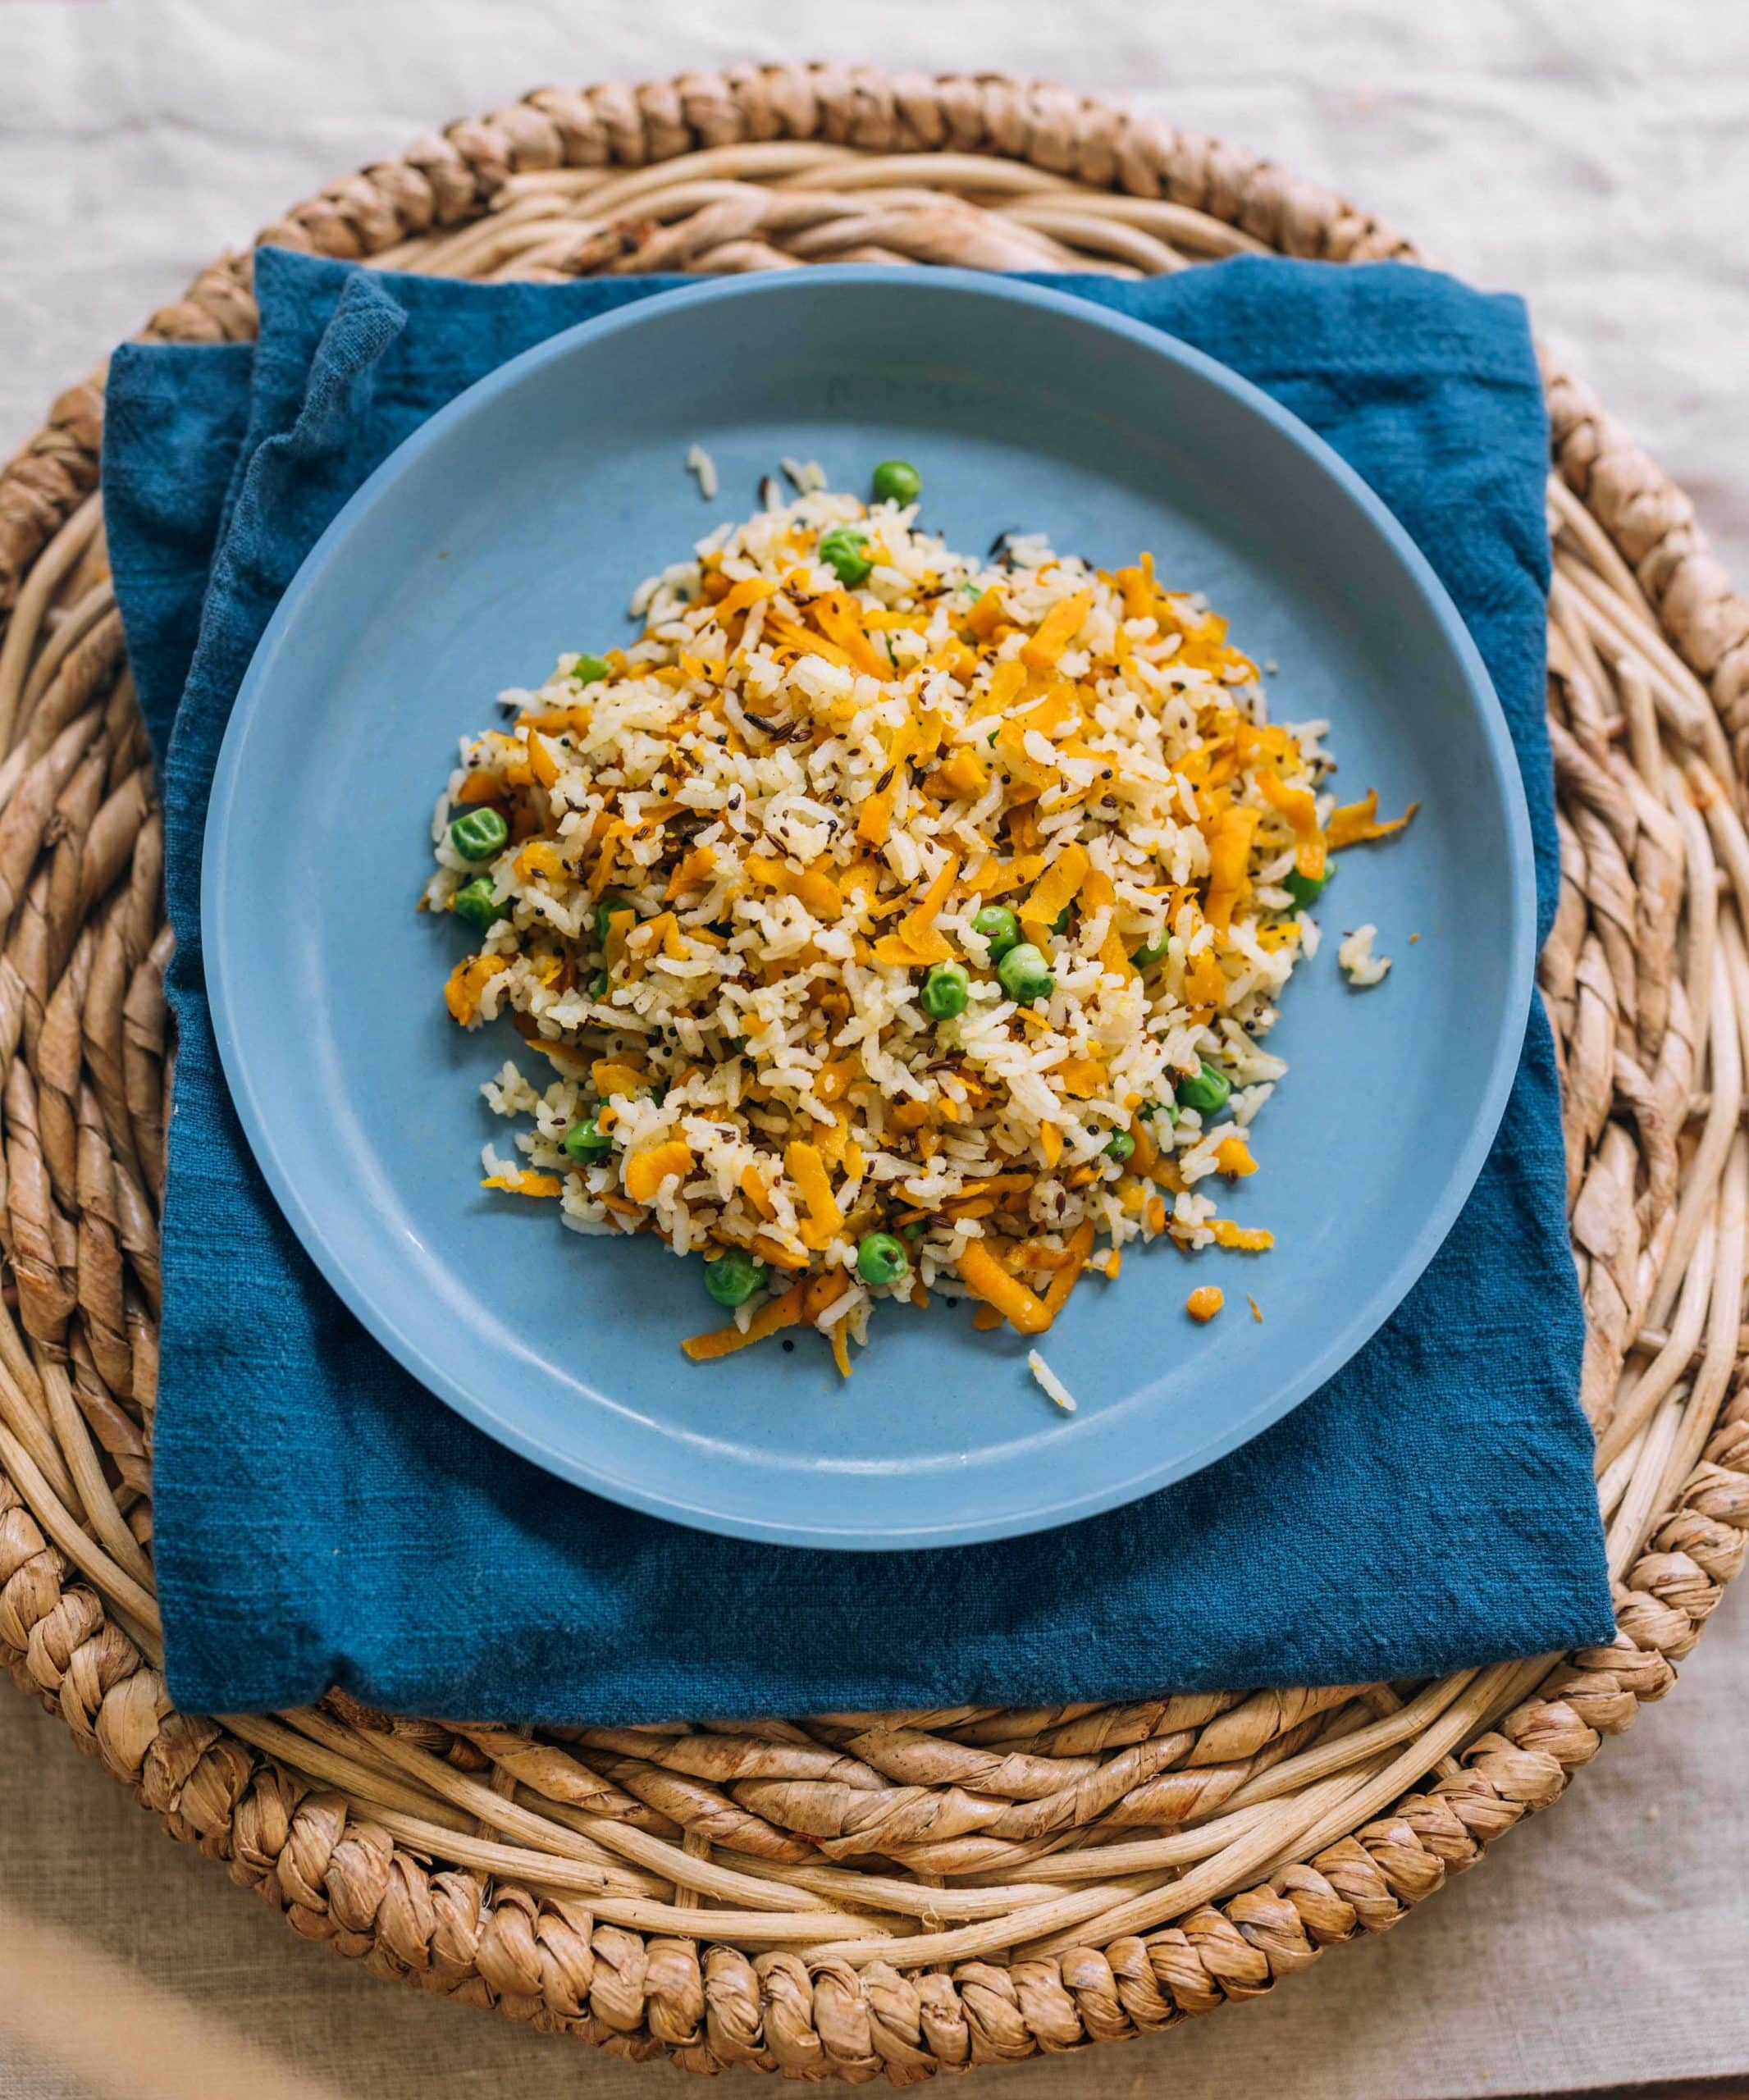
{"x": 1050, "y": 1381}
{"x": 890, "y": 919}
{"x": 700, "y": 462}
{"x": 1359, "y": 964}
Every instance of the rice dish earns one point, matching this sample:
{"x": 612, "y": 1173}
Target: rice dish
{"x": 889, "y": 920}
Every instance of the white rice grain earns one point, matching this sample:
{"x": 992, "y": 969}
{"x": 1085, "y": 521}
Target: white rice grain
{"x": 700, "y": 462}
{"x": 1050, "y": 1381}
{"x": 1359, "y": 964}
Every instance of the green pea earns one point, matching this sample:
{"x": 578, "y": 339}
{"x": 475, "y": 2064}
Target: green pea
{"x": 881, "y": 1259}
{"x": 1206, "y": 1090}
{"x": 1024, "y": 975}
{"x": 946, "y": 991}
{"x": 1306, "y": 889}
{"x": 613, "y": 902}
{"x": 1149, "y": 1109}
{"x": 896, "y": 481}
{"x": 474, "y": 904}
{"x": 841, "y": 551}
{"x": 1119, "y": 1146}
{"x": 1060, "y": 923}
{"x": 586, "y": 1141}
{"x": 733, "y": 1276}
{"x": 913, "y": 1231}
{"x": 1000, "y": 927}
{"x": 1150, "y": 952}
{"x": 590, "y": 670}
{"x": 598, "y": 985}
{"x": 479, "y": 833}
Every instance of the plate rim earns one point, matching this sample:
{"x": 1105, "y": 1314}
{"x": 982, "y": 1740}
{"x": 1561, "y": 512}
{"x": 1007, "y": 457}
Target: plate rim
{"x": 694, "y": 1511}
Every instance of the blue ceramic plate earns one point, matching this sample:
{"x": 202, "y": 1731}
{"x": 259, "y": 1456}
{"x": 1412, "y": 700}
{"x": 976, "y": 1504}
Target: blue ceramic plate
{"x": 514, "y": 525}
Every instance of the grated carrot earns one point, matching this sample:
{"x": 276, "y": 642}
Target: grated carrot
{"x": 780, "y": 1256}
{"x": 917, "y": 941}
{"x": 1205, "y": 1302}
{"x": 537, "y": 858}
{"x": 984, "y": 615}
{"x": 1229, "y": 850}
{"x": 542, "y": 762}
{"x": 746, "y": 593}
{"x": 1245, "y": 1238}
{"x": 1137, "y": 586}
{"x": 1357, "y": 823}
{"x": 647, "y": 1170}
{"x": 1298, "y": 808}
{"x": 468, "y": 983}
{"x": 525, "y": 1183}
{"x": 691, "y": 872}
{"x": 1055, "y": 632}
{"x": 985, "y": 1277}
{"x": 821, "y": 1292}
{"x": 817, "y": 890}
{"x": 780, "y": 1313}
{"x": 1034, "y": 1254}
{"x": 612, "y": 1075}
{"x": 1081, "y": 1077}
{"x": 965, "y": 773}
{"x": 803, "y": 1164}
{"x": 1056, "y": 1291}
{"x": 1233, "y": 1157}
{"x": 836, "y": 616}
{"x": 875, "y": 820}
{"x": 1115, "y": 958}
{"x": 599, "y": 875}
{"x": 1057, "y": 889}
{"x": 833, "y": 1081}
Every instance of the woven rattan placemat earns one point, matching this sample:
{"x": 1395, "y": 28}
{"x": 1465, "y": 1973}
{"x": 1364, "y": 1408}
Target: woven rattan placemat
{"x": 988, "y": 1884}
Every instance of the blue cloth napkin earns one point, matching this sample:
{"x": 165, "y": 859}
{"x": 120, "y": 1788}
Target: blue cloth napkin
{"x": 321, "y": 1520}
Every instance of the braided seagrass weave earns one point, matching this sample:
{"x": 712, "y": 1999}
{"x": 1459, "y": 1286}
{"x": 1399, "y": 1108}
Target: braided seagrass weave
{"x": 897, "y": 1893}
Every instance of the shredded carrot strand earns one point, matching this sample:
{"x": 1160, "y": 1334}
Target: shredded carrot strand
{"x": 525, "y": 1183}
{"x": 647, "y": 1170}
{"x": 805, "y": 1167}
{"x": 780, "y": 1313}
{"x": 1080, "y": 1246}
{"x": 985, "y": 1277}
{"x": 1357, "y": 823}
{"x": 1055, "y": 631}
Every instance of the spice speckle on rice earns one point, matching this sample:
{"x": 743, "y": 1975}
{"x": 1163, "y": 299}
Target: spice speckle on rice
{"x": 891, "y": 920}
